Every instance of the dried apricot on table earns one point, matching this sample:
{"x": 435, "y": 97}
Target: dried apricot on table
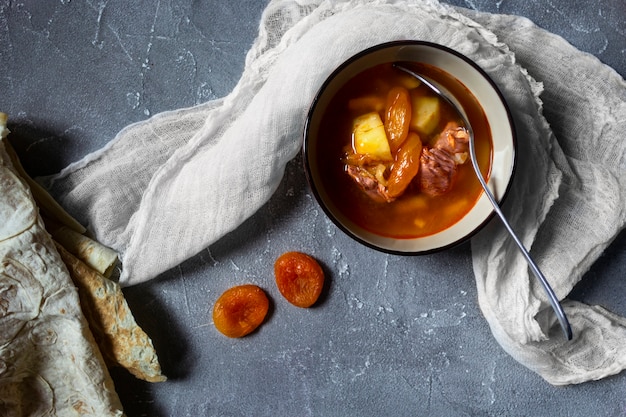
{"x": 299, "y": 278}
{"x": 240, "y": 310}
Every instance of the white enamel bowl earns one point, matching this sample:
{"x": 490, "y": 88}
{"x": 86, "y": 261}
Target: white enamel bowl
{"x": 493, "y": 105}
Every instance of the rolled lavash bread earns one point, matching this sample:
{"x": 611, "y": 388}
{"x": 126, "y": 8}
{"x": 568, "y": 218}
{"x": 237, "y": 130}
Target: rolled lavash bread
{"x": 92, "y": 253}
{"x": 122, "y": 342}
{"x": 50, "y": 363}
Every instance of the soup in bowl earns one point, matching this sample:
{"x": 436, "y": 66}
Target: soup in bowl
{"x": 388, "y": 160}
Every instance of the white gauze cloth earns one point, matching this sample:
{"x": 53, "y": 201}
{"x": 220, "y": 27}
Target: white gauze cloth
{"x": 166, "y": 188}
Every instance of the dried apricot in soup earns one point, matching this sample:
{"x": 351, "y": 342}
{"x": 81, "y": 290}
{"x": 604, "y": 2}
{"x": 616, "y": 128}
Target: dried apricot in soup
{"x": 398, "y": 117}
{"x": 240, "y": 310}
{"x": 299, "y": 278}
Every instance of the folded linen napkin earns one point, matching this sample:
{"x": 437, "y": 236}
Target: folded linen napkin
{"x": 130, "y": 192}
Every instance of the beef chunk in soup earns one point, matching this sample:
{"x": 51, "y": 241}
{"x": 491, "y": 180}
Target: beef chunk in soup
{"x": 438, "y": 171}
{"x": 439, "y": 164}
{"x": 367, "y": 181}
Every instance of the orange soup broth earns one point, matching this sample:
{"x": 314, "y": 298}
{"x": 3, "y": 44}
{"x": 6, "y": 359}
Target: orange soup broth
{"x": 414, "y": 214}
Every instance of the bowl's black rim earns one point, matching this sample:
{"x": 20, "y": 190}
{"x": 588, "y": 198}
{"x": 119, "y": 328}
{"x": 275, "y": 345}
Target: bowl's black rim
{"x": 308, "y": 170}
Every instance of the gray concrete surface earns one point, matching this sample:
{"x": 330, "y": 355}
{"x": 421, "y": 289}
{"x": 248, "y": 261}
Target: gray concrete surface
{"x": 393, "y": 336}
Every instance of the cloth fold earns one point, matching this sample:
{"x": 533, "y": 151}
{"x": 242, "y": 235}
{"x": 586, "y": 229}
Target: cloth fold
{"x": 166, "y": 188}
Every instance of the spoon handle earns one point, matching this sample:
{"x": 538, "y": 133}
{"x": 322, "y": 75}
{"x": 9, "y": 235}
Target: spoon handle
{"x": 552, "y": 298}
{"x": 554, "y": 301}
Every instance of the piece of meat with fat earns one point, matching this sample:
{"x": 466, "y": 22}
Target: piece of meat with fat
{"x": 439, "y": 164}
{"x": 437, "y": 171}
{"x": 455, "y": 140}
{"x": 367, "y": 182}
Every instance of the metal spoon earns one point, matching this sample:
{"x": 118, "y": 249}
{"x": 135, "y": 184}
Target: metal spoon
{"x": 554, "y": 301}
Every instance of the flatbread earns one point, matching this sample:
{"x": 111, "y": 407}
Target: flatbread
{"x": 122, "y": 342}
{"x": 42, "y": 198}
{"x": 49, "y": 361}
{"x": 94, "y": 254}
